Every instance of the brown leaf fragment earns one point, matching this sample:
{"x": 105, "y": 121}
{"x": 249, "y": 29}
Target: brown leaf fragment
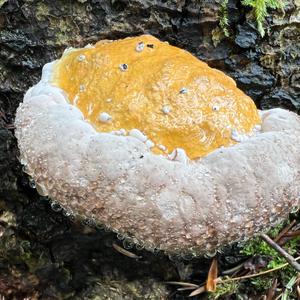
{"x": 272, "y": 290}
{"x": 187, "y": 284}
{"x": 186, "y": 288}
{"x": 298, "y": 287}
{"x": 211, "y": 283}
{"x": 198, "y": 291}
{"x": 125, "y": 252}
{"x": 298, "y": 291}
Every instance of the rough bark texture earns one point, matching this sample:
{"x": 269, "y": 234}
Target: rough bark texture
{"x": 45, "y": 255}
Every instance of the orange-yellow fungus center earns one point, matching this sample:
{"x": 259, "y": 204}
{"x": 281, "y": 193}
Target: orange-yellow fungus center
{"x": 173, "y": 98}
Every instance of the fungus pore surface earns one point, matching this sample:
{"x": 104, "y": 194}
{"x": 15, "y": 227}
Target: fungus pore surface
{"x": 174, "y": 99}
{"x": 106, "y": 131}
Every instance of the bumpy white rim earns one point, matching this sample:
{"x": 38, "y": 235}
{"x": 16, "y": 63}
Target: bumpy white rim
{"x": 176, "y": 206}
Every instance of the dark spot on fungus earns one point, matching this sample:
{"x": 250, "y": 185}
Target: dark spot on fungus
{"x": 123, "y": 67}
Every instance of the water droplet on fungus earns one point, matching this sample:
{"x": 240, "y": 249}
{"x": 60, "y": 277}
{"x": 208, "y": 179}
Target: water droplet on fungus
{"x": 81, "y": 57}
{"x": 140, "y": 47}
{"x": 183, "y": 90}
{"x": 32, "y": 183}
{"x": 55, "y": 206}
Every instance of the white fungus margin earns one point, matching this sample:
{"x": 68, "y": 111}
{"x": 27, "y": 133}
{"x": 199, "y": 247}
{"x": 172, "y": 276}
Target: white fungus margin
{"x": 174, "y": 205}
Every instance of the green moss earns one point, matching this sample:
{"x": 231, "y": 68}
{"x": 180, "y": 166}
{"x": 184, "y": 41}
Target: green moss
{"x": 2, "y": 2}
{"x": 223, "y": 17}
{"x": 257, "y": 246}
{"x": 260, "y": 10}
{"x": 224, "y": 289}
{"x": 42, "y": 11}
{"x": 217, "y": 36}
{"x": 64, "y": 29}
{"x": 262, "y": 283}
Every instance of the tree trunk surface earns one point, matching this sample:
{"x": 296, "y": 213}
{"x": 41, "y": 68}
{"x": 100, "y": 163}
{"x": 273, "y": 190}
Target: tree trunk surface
{"x": 43, "y": 254}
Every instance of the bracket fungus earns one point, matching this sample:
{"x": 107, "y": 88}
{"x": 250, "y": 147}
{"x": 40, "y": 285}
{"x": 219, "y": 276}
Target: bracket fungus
{"x": 148, "y": 140}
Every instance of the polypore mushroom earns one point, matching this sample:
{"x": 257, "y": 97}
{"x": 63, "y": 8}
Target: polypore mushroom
{"x": 145, "y": 138}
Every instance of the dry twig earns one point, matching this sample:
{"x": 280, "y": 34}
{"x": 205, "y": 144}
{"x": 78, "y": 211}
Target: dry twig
{"x": 255, "y": 275}
{"x": 284, "y": 231}
{"x": 289, "y": 258}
